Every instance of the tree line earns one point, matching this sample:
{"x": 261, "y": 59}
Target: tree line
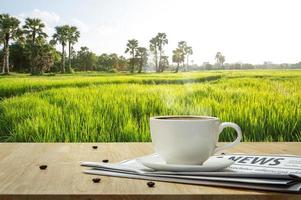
{"x": 26, "y": 48}
{"x": 29, "y": 49}
{"x": 139, "y": 55}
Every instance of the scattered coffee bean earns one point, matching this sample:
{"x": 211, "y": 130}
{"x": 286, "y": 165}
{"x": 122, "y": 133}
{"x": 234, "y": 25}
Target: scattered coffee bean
{"x": 94, "y": 147}
{"x": 150, "y": 184}
{"x": 96, "y": 180}
{"x": 223, "y": 153}
{"x": 43, "y": 167}
{"x": 105, "y": 160}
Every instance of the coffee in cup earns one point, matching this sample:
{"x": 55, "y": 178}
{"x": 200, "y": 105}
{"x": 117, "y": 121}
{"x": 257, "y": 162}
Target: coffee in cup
{"x": 189, "y": 139}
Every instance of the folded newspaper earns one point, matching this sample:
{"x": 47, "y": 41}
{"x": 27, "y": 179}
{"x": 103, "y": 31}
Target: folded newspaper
{"x": 280, "y": 173}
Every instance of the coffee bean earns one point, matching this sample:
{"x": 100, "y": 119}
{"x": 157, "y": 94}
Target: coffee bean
{"x": 94, "y": 147}
{"x": 96, "y": 180}
{"x": 223, "y": 154}
{"x": 43, "y": 167}
{"x": 105, "y": 160}
{"x": 150, "y": 184}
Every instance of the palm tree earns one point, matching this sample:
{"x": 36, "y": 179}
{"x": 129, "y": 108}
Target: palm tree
{"x": 72, "y": 37}
{"x": 217, "y": 56}
{"x": 162, "y": 41}
{"x": 33, "y": 30}
{"x": 188, "y": 51}
{"x": 61, "y": 36}
{"x": 220, "y": 59}
{"x": 153, "y": 47}
{"x": 9, "y": 30}
{"x": 132, "y": 46}
{"x": 177, "y": 57}
{"x": 182, "y": 45}
{"x": 2, "y": 43}
{"x": 142, "y": 56}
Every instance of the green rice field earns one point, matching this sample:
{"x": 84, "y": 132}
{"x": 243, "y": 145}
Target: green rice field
{"x": 99, "y": 107}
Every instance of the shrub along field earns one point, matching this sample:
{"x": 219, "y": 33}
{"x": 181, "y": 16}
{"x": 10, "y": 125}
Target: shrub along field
{"x": 94, "y": 107}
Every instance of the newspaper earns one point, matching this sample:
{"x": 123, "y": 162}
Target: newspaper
{"x": 265, "y": 172}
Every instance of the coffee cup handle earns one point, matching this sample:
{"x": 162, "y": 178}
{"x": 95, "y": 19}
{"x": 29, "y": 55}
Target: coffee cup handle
{"x": 236, "y": 141}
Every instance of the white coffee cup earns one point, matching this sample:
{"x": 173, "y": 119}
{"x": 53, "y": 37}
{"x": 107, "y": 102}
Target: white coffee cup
{"x": 189, "y": 139}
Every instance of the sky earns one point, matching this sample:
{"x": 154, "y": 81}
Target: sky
{"x": 248, "y": 31}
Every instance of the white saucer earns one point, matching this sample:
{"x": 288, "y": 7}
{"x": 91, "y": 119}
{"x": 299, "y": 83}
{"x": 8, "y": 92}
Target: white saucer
{"x": 214, "y": 163}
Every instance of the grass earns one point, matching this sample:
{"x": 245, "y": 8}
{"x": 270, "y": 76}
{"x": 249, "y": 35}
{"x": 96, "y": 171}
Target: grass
{"x": 116, "y": 107}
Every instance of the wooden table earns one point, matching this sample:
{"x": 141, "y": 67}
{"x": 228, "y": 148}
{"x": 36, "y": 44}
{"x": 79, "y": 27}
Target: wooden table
{"x": 21, "y": 178}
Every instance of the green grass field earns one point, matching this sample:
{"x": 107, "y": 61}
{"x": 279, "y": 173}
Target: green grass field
{"x": 116, "y": 107}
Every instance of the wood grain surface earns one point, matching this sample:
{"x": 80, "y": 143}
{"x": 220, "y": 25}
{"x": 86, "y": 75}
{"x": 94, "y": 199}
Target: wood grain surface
{"x": 21, "y": 177}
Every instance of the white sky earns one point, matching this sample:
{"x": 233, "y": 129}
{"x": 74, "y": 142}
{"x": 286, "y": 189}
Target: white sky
{"x": 243, "y": 30}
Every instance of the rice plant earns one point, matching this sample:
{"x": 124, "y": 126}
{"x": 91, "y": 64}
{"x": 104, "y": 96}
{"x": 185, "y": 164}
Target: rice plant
{"x": 116, "y": 108}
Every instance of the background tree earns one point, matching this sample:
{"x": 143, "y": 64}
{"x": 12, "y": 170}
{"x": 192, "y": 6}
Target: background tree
{"x": 1, "y": 50}
{"x": 142, "y": 56}
{"x": 56, "y": 55}
{"x": 122, "y": 64}
{"x": 72, "y": 37}
{"x": 35, "y": 39}
{"x": 164, "y": 63}
{"x": 111, "y": 63}
{"x": 1, "y": 59}
{"x": 217, "y": 57}
{"x": 188, "y": 52}
{"x": 44, "y": 58}
{"x": 182, "y": 45}
{"x": 105, "y": 62}
{"x": 19, "y": 58}
{"x": 220, "y": 59}
{"x": 132, "y": 46}
{"x": 208, "y": 66}
{"x": 153, "y": 47}
{"x": 85, "y": 59}
{"x": 162, "y": 41}
{"x": 61, "y": 36}
{"x": 33, "y": 29}
{"x": 177, "y": 57}
{"x": 9, "y": 30}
